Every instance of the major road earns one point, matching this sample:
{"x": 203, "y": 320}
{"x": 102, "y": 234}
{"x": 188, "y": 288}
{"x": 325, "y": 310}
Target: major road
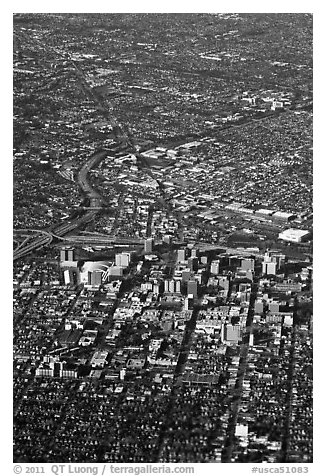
{"x": 69, "y": 225}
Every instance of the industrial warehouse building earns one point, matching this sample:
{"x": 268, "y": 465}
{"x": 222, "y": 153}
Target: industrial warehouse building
{"x": 294, "y": 235}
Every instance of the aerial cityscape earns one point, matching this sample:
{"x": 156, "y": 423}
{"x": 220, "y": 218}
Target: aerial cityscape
{"x": 163, "y": 237}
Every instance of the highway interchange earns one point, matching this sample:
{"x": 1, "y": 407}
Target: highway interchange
{"x": 69, "y": 225}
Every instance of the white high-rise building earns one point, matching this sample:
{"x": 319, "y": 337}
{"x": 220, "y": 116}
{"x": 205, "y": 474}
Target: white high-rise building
{"x": 178, "y": 286}
{"x": 189, "y": 302}
{"x": 171, "y": 286}
{"x": 215, "y": 266}
{"x": 181, "y": 255}
{"x": 122, "y": 259}
{"x": 269, "y": 267}
{"x": 194, "y": 253}
{"x": 166, "y": 286}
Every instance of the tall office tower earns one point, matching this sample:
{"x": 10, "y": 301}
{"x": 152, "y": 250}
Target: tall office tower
{"x": 203, "y": 260}
{"x": 178, "y": 286}
{"x": 251, "y": 340}
{"x": 125, "y": 259}
{"x": 122, "y": 259}
{"x": 215, "y": 266}
{"x": 248, "y": 264}
{"x": 156, "y": 289}
{"x": 193, "y": 263}
{"x": 268, "y": 267}
{"x": 66, "y": 275}
{"x": 267, "y": 256}
{"x": 192, "y": 288}
{"x": 71, "y": 255}
{"x": 171, "y": 286}
{"x": 222, "y": 332}
{"x": 63, "y": 255}
{"x": 189, "y": 302}
{"x": 181, "y": 255}
{"x": 148, "y": 245}
{"x": 117, "y": 259}
{"x": 194, "y": 253}
{"x": 280, "y": 260}
{"x": 166, "y": 285}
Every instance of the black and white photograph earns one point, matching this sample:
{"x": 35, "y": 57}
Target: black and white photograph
{"x": 162, "y": 241}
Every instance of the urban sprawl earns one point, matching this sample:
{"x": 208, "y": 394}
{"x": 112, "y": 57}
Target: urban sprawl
{"x": 163, "y": 238}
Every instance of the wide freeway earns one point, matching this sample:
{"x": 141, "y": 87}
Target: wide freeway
{"x": 69, "y": 225}
{"x": 86, "y": 188}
